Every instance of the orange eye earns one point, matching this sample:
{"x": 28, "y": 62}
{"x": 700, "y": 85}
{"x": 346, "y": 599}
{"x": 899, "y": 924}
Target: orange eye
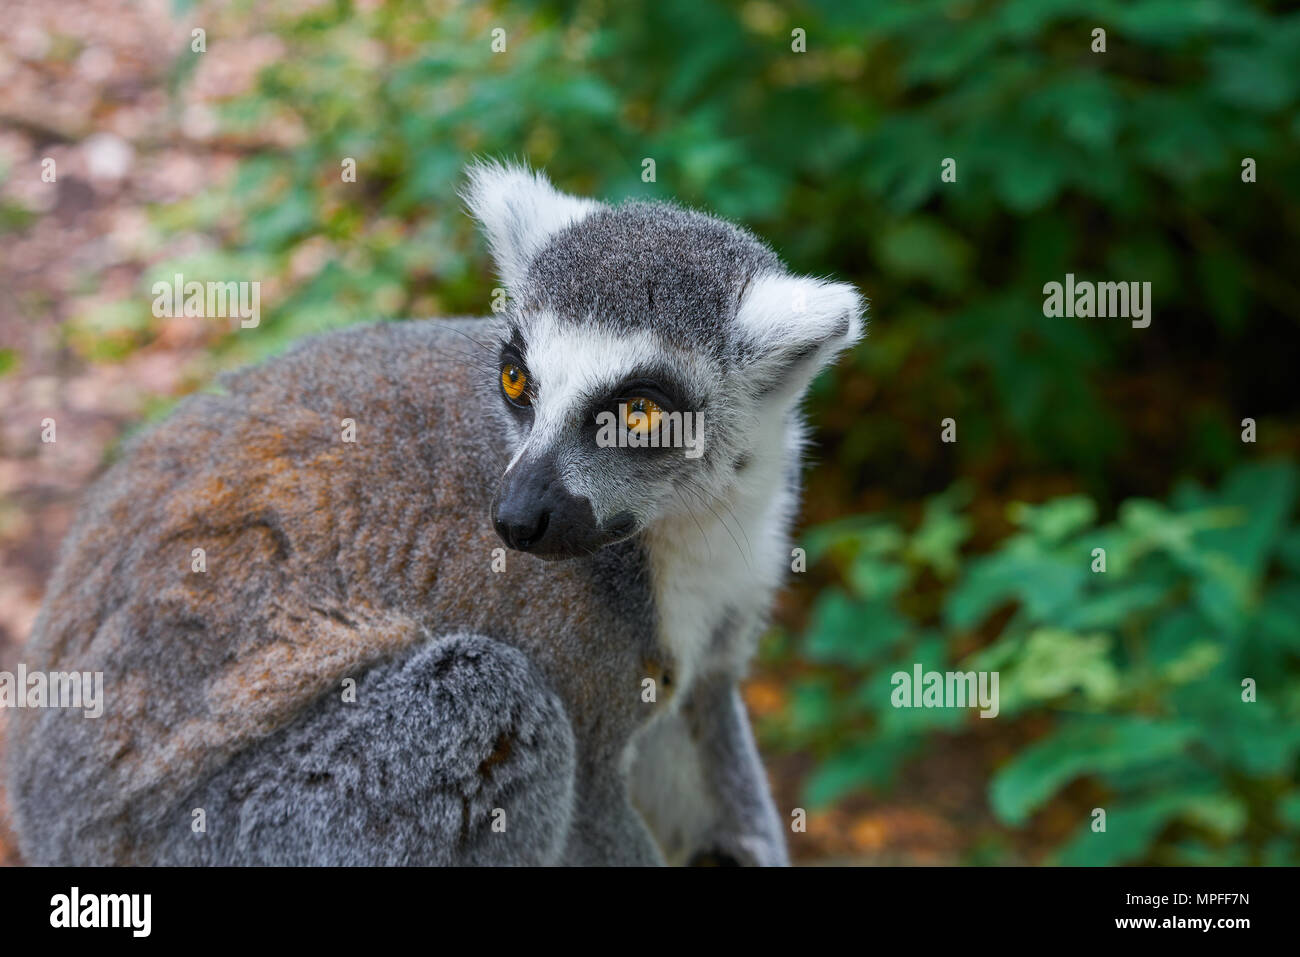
{"x": 514, "y": 383}
{"x": 642, "y": 414}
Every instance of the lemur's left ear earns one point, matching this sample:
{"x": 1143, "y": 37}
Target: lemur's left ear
{"x": 519, "y": 210}
{"x": 790, "y": 327}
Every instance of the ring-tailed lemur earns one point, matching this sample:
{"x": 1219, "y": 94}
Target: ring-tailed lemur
{"x": 356, "y": 671}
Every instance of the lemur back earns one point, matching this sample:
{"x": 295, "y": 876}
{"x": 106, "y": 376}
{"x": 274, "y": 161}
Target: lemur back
{"x": 355, "y": 668}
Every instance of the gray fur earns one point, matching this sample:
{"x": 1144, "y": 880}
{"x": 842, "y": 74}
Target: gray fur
{"x": 657, "y": 266}
{"x": 375, "y": 561}
{"x": 412, "y": 772}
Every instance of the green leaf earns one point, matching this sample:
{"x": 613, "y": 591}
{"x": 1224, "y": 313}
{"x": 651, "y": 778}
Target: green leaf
{"x": 1288, "y": 809}
{"x": 1130, "y": 829}
{"x": 922, "y": 248}
{"x": 943, "y": 531}
{"x": 1045, "y": 585}
{"x": 1081, "y": 746}
{"x": 852, "y": 632}
{"x": 1056, "y": 520}
{"x": 1113, "y": 607}
{"x": 861, "y": 765}
{"x": 1054, "y": 663}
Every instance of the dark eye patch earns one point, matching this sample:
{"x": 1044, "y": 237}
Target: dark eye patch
{"x": 645, "y": 388}
{"x": 657, "y": 384}
{"x": 514, "y": 349}
{"x": 512, "y": 353}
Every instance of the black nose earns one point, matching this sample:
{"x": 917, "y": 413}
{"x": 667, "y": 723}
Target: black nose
{"x": 533, "y": 512}
{"x": 521, "y": 526}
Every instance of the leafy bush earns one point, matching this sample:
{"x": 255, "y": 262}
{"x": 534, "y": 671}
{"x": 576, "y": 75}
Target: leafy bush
{"x": 1142, "y": 663}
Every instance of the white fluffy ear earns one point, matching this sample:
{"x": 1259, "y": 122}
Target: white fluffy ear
{"x": 519, "y": 210}
{"x": 792, "y": 326}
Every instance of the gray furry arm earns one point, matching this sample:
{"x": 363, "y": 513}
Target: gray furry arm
{"x": 747, "y": 828}
{"x": 698, "y": 781}
{"x": 458, "y": 754}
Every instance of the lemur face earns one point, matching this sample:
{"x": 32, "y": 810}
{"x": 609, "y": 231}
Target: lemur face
{"x": 649, "y": 356}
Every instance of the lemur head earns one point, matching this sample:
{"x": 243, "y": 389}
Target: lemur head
{"x": 650, "y": 356}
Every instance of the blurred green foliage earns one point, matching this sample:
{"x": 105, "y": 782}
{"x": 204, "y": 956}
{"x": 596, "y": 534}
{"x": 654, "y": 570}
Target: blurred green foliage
{"x": 1137, "y": 634}
{"x": 1123, "y": 165}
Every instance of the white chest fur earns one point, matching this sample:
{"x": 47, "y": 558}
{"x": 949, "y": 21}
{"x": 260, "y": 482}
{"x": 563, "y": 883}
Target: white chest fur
{"x": 722, "y": 562}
